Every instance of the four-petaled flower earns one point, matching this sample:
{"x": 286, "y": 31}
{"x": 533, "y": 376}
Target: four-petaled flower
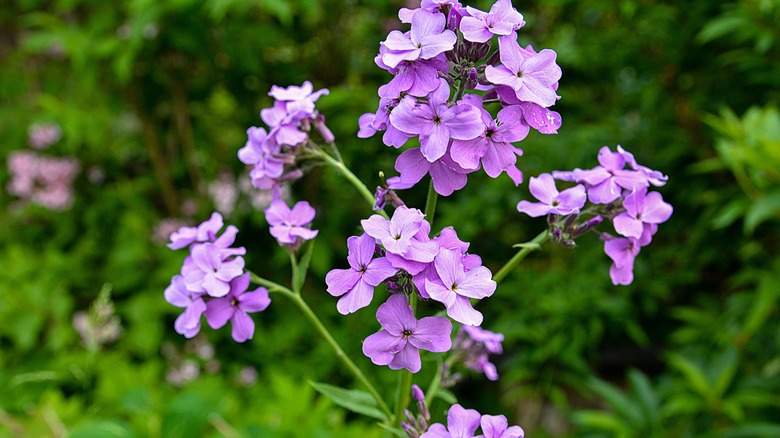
{"x": 235, "y": 306}
{"x": 356, "y": 285}
{"x": 543, "y": 188}
{"x": 289, "y": 225}
{"x": 402, "y": 337}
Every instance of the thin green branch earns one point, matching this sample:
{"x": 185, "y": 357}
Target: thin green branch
{"x": 430, "y": 203}
{"x": 323, "y": 331}
{"x": 526, "y": 249}
{"x": 315, "y": 321}
{"x": 341, "y": 167}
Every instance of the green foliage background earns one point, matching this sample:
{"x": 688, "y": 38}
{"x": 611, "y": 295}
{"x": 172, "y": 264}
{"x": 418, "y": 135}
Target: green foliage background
{"x": 154, "y": 98}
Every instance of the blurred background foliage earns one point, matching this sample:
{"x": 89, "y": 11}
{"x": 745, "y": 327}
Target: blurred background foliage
{"x": 153, "y": 99}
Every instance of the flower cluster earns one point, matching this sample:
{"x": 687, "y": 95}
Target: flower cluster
{"x": 457, "y": 135}
{"x": 463, "y": 422}
{"x": 213, "y": 282}
{"x": 401, "y": 252}
{"x": 43, "y": 135}
{"x": 273, "y": 153}
{"x": 472, "y": 346}
{"x": 618, "y": 190}
{"x": 46, "y": 181}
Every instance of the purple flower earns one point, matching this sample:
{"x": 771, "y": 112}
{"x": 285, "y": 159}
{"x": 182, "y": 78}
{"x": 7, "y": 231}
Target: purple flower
{"x": 497, "y": 427}
{"x": 654, "y": 177}
{"x": 447, "y": 175}
{"x": 493, "y": 147}
{"x": 641, "y": 208}
{"x": 288, "y": 226}
{"x": 356, "y": 285}
{"x": 552, "y": 202}
{"x": 205, "y": 232}
{"x": 418, "y": 78}
{"x": 427, "y": 39}
{"x": 43, "y": 135}
{"x": 461, "y": 423}
{"x": 235, "y": 306}
{"x": 502, "y": 19}
{"x": 456, "y": 286}
{"x": 371, "y": 123}
{"x": 299, "y": 101}
{"x": 261, "y": 152}
{"x": 284, "y": 126}
{"x": 209, "y": 271}
{"x": 605, "y": 183}
{"x": 395, "y": 234}
{"x": 531, "y": 75}
{"x": 188, "y": 323}
{"x": 623, "y": 251}
{"x": 399, "y": 342}
{"x": 436, "y": 122}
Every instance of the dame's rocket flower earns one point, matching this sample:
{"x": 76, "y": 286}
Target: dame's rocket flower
{"x": 402, "y": 337}
{"x": 502, "y": 19}
{"x": 543, "y": 188}
{"x": 290, "y": 226}
{"x": 356, "y": 285}
{"x": 235, "y": 307}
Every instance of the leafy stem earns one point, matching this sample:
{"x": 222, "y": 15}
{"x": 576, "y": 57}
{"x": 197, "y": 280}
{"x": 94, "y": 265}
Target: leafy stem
{"x": 296, "y": 298}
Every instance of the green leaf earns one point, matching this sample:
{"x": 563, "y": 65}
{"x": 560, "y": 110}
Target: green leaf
{"x": 693, "y": 374}
{"x": 355, "y": 400}
{"x": 394, "y": 430}
{"x": 303, "y": 267}
{"x": 598, "y": 420}
{"x": 752, "y": 430}
{"x": 447, "y": 396}
{"x": 763, "y": 208}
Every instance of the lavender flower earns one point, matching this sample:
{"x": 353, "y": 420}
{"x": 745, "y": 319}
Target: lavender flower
{"x": 502, "y": 19}
{"x": 399, "y": 342}
{"x": 531, "y": 75}
{"x": 552, "y": 202}
{"x": 42, "y": 180}
{"x": 427, "y": 39}
{"x": 474, "y": 344}
{"x": 209, "y": 271}
{"x": 456, "y": 285}
{"x": 461, "y": 423}
{"x": 290, "y": 227}
{"x": 498, "y": 427}
{"x": 356, "y": 285}
{"x": 447, "y": 175}
{"x": 188, "y": 323}
{"x": 205, "y": 232}
{"x": 43, "y": 135}
{"x": 435, "y": 122}
{"x": 605, "y": 183}
{"x": 235, "y": 307}
{"x": 641, "y": 208}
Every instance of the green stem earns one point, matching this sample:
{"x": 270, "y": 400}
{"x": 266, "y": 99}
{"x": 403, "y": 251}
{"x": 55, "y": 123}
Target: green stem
{"x": 404, "y": 389}
{"x": 433, "y": 388}
{"x": 270, "y": 285}
{"x": 334, "y": 345}
{"x": 294, "y": 265}
{"x": 341, "y": 167}
{"x": 297, "y": 299}
{"x": 533, "y": 245}
{"x": 430, "y": 203}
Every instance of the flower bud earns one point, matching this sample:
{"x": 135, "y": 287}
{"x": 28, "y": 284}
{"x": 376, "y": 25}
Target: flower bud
{"x": 494, "y": 59}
